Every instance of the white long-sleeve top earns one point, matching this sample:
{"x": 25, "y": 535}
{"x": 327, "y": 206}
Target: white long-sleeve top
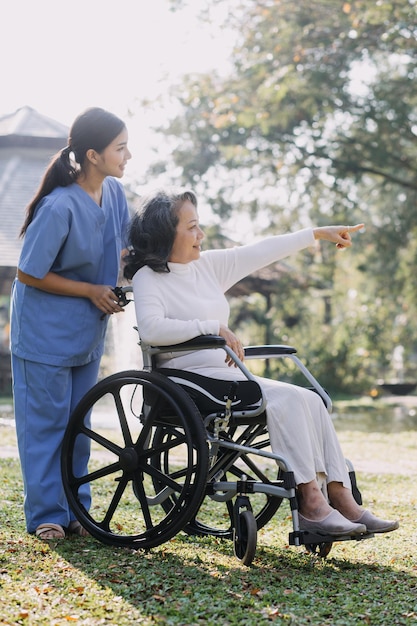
{"x": 189, "y": 300}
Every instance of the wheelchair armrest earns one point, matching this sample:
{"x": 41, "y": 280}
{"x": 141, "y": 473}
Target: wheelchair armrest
{"x": 202, "y": 342}
{"x": 265, "y": 352}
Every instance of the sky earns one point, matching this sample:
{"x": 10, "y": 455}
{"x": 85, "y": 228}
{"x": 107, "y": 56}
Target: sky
{"x": 61, "y": 57}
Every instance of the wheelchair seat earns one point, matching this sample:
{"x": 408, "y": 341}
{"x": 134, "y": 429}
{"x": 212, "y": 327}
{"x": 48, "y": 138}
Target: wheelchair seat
{"x": 210, "y": 394}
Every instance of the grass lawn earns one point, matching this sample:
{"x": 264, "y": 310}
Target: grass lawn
{"x": 192, "y": 581}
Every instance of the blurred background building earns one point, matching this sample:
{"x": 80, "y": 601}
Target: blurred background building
{"x": 28, "y": 140}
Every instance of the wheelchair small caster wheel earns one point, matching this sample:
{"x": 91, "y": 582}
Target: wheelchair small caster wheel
{"x": 321, "y": 549}
{"x": 245, "y": 537}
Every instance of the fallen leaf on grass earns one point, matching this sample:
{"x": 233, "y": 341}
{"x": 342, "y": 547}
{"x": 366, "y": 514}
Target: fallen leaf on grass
{"x": 259, "y": 592}
{"x": 77, "y": 590}
{"x": 44, "y": 589}
{"x": 159, "y": 598}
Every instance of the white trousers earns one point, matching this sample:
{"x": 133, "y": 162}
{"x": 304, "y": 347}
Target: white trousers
{"x": 301, "y": 430}
{"x": 300, "y": 427}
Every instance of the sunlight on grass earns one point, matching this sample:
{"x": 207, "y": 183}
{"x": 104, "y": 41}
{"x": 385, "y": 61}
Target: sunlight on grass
{"x": 193, "y": 580}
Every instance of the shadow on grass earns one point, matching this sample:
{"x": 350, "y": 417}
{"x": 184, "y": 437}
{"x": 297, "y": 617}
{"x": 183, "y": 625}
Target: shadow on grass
{"x": 198, "y": 580}
{"x": 191, "y": 580}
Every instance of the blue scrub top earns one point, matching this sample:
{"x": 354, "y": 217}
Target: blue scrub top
{"x": 76, "y": 238}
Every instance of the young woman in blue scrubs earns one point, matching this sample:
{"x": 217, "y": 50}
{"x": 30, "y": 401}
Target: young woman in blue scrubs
{"x": 74, "y": 233}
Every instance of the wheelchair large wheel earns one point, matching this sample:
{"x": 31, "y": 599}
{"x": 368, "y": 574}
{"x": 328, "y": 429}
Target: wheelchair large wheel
{"x": 214, "y": 517}
{"x": 112, "y": 483}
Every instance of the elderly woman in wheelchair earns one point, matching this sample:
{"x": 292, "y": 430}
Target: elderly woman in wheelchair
{"x": 195, "y": 431}
{"x": 179, "y": 294}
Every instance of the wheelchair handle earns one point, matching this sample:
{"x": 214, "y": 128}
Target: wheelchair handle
{"x": 120, "y": 293}
{"x": 122, "y": 299}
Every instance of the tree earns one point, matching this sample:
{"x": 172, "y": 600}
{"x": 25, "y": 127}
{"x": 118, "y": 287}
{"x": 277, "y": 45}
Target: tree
{"x": 317, "y": 123}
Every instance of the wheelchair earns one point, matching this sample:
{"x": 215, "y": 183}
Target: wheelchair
{"x": 174, "y": 451}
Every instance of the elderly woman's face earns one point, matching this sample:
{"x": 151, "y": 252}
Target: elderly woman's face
{"x": 188, "y": 236}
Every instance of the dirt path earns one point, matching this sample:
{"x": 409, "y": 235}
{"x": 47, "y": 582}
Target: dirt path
{"x": 370, "y": 452}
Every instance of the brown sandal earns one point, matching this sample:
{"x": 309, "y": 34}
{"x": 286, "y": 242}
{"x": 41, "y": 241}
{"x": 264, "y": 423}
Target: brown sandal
{"x": 50, "y": 532}
{"x": 75, "y": 528}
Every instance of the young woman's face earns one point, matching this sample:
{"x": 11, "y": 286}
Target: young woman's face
{"x": 112, "y": 161}
{"x": 188, "y": 236}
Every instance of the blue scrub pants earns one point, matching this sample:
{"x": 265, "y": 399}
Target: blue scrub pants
{"x": 44, "y": 396}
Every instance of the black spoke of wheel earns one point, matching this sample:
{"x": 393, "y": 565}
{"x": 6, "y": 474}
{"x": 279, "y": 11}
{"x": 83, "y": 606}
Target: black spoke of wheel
{"x": 117, "y": 496}
{"x": 122, "y": 418}
{"x": 180, "y": 438}
{"x": 167, "y": 481}
{"x": 160, "y": 458}
{"x": 97, "y": 474}
{"x": 143, "y": 500}
{"x": 147, "y": 425}
{"x": 255, "y": 469}
{"x": 102, "y": 441}
{"x": 228, "y": 457}
{"x": 179, "y": 473}
{"x": 224, "y": 462}
{"x": 247, "y": 435}
{"x": 260, "y": 445}
{"x": 177, "y": 437}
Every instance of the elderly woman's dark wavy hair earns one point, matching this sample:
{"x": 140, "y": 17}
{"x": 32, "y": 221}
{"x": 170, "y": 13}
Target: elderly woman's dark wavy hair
{"x": 153, "y": 229}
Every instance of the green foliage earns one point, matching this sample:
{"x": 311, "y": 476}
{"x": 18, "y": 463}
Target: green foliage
{"x": 317, "y": 124}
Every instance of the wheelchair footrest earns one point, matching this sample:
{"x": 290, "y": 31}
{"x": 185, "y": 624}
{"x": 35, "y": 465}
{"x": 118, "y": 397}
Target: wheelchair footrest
{"x": 305, "y": 537}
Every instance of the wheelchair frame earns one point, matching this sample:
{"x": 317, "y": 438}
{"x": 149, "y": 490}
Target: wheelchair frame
{"x": 172, "y": 426}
